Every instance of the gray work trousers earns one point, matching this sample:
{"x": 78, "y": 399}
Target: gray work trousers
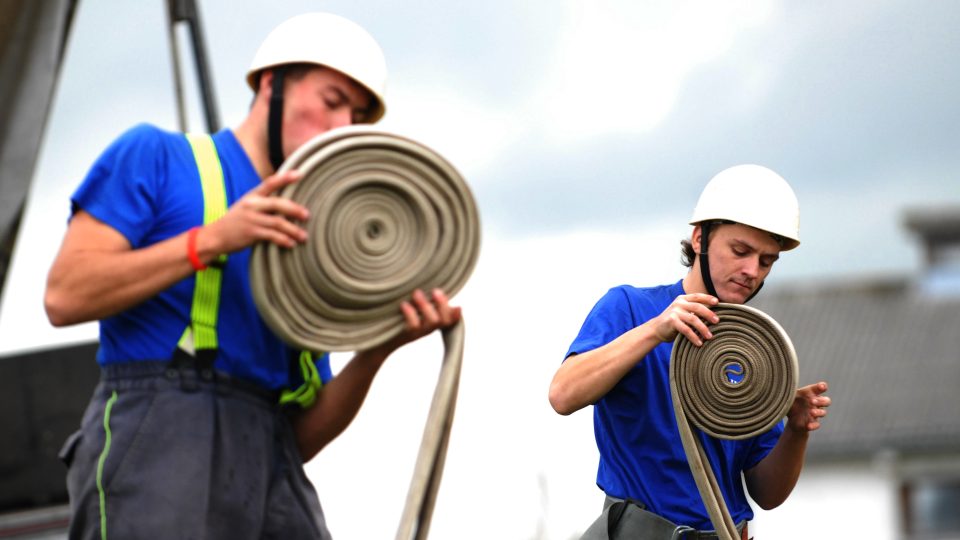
{"x": 164, "y": 452}
{"x": 627, "y": 520}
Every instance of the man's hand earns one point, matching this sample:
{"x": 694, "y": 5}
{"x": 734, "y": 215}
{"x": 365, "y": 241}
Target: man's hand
{"x": 689, "y": 315}
{"x": 809, "y": 408}
{"x": 422, "y": 315}
{"x": 340, "y": 399}
{"x": 257, "y": 216}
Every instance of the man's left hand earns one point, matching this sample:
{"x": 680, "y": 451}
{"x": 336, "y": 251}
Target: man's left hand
{"x": 422, "y": 315}
{"x": 809, "y": 408}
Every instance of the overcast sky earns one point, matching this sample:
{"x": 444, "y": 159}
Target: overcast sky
{"x": 586, "y": 130}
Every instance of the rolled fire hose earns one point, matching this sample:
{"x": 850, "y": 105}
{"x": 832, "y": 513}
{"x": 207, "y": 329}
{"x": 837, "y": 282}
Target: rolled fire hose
{"x": 387, "y": 216}
{"x": 736, "y": 386}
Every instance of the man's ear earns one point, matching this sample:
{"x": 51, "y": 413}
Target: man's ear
{"x": 696, "y": 237}
{"x": 265, "y": 85}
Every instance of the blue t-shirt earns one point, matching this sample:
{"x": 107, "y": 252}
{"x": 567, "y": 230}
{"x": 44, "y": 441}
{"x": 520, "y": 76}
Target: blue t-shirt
{"x": 147, "y": 187}
{"x": 641, "y": 454}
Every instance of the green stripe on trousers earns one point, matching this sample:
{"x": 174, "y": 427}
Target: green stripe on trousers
{"x": 103, "y": 458}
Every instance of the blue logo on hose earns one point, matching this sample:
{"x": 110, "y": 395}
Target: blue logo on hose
{"x": 734, "y": 372}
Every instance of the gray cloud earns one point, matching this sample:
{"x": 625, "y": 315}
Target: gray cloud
{"x": 853, "y": 103}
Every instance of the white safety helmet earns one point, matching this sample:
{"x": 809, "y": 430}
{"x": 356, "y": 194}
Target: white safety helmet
{"x": 751, "y": 195}
{"x": 327, "y": 40}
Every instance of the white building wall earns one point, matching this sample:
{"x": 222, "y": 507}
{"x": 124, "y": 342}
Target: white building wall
{"x": 850, "y": 500}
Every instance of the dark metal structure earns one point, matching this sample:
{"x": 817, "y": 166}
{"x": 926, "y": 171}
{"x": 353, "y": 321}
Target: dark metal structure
{"x": 43, "y": 393}
{"x": 186, "y": 12}
{"x": 33, "y": 38}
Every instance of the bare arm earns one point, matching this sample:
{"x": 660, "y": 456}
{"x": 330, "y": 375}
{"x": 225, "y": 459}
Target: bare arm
{"x": 97, "y": 274}
{"x": 771, "y": 481}
{"x": 585, "y": 378}
{"x": 339, "y": 401}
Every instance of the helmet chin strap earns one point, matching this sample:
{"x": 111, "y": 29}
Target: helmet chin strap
{"x": 275, "y": 119}
{"x": 760, "y": 286}
{"x": 705, "y": 264}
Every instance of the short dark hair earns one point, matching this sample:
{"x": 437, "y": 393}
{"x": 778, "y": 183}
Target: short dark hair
{"x": 687, "y": 254}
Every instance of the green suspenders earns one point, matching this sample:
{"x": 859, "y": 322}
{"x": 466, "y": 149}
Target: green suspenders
{"x": 202, "y": 332}
{"x": 306, "y": 394}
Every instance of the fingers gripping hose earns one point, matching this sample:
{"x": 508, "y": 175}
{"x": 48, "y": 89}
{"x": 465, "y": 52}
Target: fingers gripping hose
{"x": 387, "y": 216}
{"x": 737, "y": 385}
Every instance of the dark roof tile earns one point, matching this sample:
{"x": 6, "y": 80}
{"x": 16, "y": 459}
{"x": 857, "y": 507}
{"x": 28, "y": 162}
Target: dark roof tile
{"x": 891, "y": 357}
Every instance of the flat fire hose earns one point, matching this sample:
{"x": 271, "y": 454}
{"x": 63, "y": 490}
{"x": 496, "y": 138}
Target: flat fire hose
{"x": 737, "y": 385}
{"x": 387, "y": 216}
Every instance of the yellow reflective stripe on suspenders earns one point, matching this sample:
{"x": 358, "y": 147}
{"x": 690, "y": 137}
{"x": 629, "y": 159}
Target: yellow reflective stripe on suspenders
{"x": 202, "y": 332}
{"x": 206, "y": 292}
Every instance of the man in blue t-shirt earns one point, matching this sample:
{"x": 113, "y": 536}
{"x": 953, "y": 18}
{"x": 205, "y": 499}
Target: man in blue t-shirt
{"x": 170, "y": 447}
{"x": 619, "y": 362}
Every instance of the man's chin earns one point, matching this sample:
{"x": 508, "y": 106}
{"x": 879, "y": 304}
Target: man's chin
{"x": 737, "y": 296}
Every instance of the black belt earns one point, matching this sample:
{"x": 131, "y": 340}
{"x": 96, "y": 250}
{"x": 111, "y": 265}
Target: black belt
{"x": 190, "y": 377}
{"x": 630, "y": 519}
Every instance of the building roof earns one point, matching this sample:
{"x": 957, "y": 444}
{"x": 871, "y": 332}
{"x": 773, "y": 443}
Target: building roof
{"x": 42, "y": 398}
{"x": 891, "y": 356}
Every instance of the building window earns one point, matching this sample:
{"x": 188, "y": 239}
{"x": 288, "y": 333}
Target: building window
{"x": 930, "y": 508}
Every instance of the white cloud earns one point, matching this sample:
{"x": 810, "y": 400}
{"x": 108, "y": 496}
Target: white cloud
{"x": 464, "y": 129}
{"x": 621, "y": 66}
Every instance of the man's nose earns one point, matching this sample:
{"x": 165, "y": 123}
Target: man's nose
{"x": 342, "y": 117}
{"x": 751, "y": 267}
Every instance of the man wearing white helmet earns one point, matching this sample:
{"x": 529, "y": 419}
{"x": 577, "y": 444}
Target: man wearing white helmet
{"x": 746, "y": 215}
{"x": 186, "y": 435}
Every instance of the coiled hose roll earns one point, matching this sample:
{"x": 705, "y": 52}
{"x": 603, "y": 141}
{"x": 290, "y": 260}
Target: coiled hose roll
{"x": 387, "y": 216}
{"x": 737, "y": 385}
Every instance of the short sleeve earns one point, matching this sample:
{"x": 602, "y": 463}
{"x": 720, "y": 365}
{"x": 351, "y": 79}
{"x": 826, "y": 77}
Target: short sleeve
{"x": 609, "y": 318}
{"x": 122, "y": 186}
{"x": 762, "y": 445}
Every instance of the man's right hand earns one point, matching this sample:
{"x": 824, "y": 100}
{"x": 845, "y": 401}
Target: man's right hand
{"x": 688, "y": 314}
{"x": 257, "y": 216}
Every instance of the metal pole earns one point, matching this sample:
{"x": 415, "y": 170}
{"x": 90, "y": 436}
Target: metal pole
{"x": 186, "y": 11}
{"x": 175, "y": 60}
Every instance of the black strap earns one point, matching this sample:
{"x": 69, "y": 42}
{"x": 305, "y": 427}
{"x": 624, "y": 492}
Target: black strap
{"x": 754, "y": 293}
{"x": 275, "y": 120}
{"x": 704, "y": 260}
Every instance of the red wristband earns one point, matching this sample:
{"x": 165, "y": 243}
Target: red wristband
{"x": 192, "y": 250}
